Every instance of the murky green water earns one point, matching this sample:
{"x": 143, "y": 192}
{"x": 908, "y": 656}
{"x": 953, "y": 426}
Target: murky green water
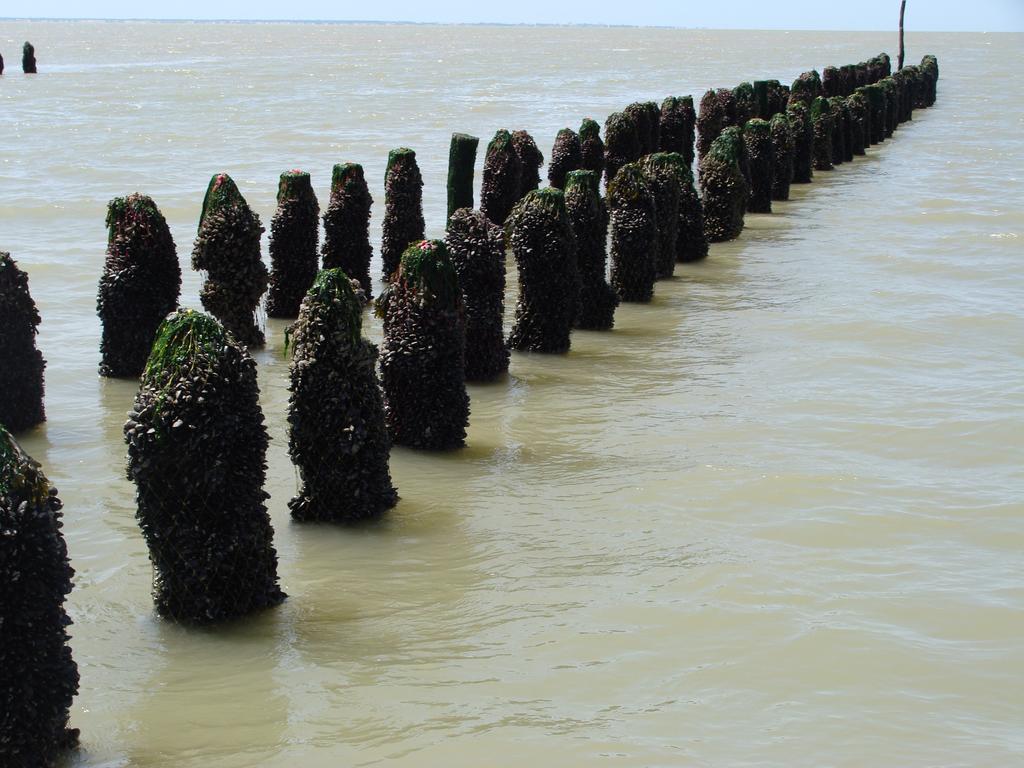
{"x": 774, "y": 518}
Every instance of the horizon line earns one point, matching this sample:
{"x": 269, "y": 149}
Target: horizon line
{"x": 477, "y": 24}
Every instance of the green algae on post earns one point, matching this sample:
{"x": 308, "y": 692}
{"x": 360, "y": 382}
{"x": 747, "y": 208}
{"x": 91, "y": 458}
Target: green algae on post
{"x": 662, "y": 172}
{"x": 782, "y": 132}
{"x": 21, "y": 363}
{"x": 566, "y": 156}
{"x": 38, "y": 676}
{"x": 461, "y": 161}
{"x": 502, "y": 178}
{"x": 724, "y": 190}
{"x": 542, "y": 242}
{"x": 140, "y": 284}
{"x": 588, "y": 218}
{"x": 591, "y": 146}
{"x": 28, "y": 59}
{"x": 347, "y": 225}
{"x": 294, "y": 240}
{"x": 634, "y": 235}
{"x": 477, "y": 249}
{"x": 423, "y": 353}
{"x": 530, "y": 161}
{"x": 757, "y": 137}
{"x": 336, "y": 432}
{"x": 621, "y": 144}
{"x": 227, "y": 250}
{"x": 403, "y": 208}
{"x": 197, "y": 454}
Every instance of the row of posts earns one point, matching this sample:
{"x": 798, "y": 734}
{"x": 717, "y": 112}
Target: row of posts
{"x": 196, "y": 436}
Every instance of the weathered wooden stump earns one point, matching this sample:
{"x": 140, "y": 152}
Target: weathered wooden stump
{"x": 21, "y": 363}
{"x": 461, "y": 162}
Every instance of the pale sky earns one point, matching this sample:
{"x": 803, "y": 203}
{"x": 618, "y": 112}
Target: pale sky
{"x": 922, "y": 15}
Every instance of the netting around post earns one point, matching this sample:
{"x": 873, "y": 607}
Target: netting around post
{"x": 337, "y": 436}
{"x": 21, "y": 363}
{"x": 197, "y": 455}
{"x": 140, "y": 284}
{"x": 38, "y": 677}
{"x": 423, "y": 354}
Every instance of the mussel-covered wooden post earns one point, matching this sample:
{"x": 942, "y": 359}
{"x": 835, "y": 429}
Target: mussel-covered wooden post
{"x": 530, "y": 161}
{"x": 661, "y": 173}
{"x": 294, "y": 239}
{"x": 477, "y": 249}
{"x": 588, "y": 218}
{"x": 930, "y": 71}
{"x": 197, "y": 453}
{"x": 724, "y": 191}
{"x": 757, "y": 136}
{"x": 858, "y": 108}
{"x": 892, "y": 99}
{"x": 710, "y": 122}
{"x": 591, "y": 146}
{"x": 781, "y": 130}
{"x": 502, "y": 172}
{"x": 841, "y": 140}
{"x": 38, "y": 676}
{"x": 347, "y": 225}
{"x": 544, "y": 247}
{"x": 461, "y": 161}
{"x": 803, "y": 142}
{"x": 227, "y": 249}
{"x": 28, "y": 59}
{"x": 762, "y": 99}
{"x": 336, "y": 432}
{"x": 806, "y": 88}
{"x": 621, "y": 144}
{"x": 824, "y": 123}
{"x": 691, "y": 242}
{"x": 403, "y": 207}
{"x": 566, "y": 156}
{"x": 423, "y": 356}
{"x": 634, "y": 225}
{"x": 746, "y": 106}
{"x": 875, "y": 98}
{"x": 677, "y": 122}
{"x": 21, "y": 364}
{"x": 1, "y": 64}
{"x": 140, "y": 284}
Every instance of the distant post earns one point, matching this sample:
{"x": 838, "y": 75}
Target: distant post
{"x": 28, "y": 59}
{"x": 899, "y": 60}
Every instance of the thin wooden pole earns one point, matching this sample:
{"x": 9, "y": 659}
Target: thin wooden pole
{"x": 899, "y": 61}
